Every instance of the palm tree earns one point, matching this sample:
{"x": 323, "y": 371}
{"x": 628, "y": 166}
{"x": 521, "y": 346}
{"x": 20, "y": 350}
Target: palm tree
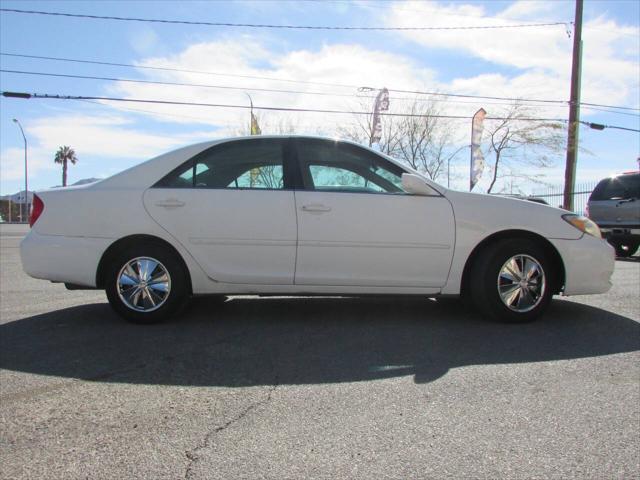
{"x": 63, "y": 156}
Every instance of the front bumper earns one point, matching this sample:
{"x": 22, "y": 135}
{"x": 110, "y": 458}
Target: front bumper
{"x": 589, "y": 263}
{"x": 624, "y": 234}
{"x": 60, "y": 258}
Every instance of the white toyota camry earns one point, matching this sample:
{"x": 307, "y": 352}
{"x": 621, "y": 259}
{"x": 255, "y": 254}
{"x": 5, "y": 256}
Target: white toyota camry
{"x": 304, "y": 215}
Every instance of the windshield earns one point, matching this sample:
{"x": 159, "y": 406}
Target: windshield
{"x": 617, "y": 188}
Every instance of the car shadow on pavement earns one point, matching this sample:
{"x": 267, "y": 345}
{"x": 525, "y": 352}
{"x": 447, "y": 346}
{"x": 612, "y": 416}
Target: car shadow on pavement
{"x": 266, "y": 341}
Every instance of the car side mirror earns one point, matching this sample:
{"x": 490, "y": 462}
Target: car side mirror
{"x": 415, "y": 185}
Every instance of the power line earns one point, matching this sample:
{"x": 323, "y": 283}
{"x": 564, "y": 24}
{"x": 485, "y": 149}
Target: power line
{"x": 339, "y": 85}
{"x": 262, "y": 25}
{"x": 151, "y": 112}
{"x": 180, "y": 70}
{"x": 167, "y": 114}
{"x": 600, "y": 126}
{"x": 23, "y": 95}
{"x": 306, "y": 82}
{"x": 615, "y": 112}
{"x": 158, "y": 82}
{"x": 608, "y": 106}
{"x": 228, "y": 87}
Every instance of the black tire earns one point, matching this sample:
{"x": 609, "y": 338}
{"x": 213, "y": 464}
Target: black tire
{"x": 153, "y": 305}
{"x": 486, "y": 280}
{"x": 625, "y": 250}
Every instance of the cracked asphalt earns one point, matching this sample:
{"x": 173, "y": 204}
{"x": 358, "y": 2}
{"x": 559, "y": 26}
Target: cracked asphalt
{"x": 279, "y": 388}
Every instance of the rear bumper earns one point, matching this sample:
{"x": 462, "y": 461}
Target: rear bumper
{"x": 589, "y": 263}
{"x": 62, "y": 259}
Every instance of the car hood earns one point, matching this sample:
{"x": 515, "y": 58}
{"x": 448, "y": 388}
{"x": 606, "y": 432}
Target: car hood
{"x": 490, "y": 214}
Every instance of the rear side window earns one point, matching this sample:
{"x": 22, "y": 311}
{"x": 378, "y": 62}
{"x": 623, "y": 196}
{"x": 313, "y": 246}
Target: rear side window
{"x": 342, "y": 167}
{"x": 617, "y": 188}
{"x": 254, "y": 164}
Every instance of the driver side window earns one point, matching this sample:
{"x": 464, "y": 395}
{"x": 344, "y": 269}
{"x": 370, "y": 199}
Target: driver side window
{"x": 342, "y": 167}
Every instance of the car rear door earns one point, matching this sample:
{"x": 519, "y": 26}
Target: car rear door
{"x": 357, "y": 227}
{"x": 231, "y": 208}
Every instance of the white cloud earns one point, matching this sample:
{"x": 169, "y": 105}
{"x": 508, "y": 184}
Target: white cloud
{"x": 523, "y": 10}
{"x": 107, "y": 136}
{"x": 144, "y": 39}
{"x": 12, "y": 164}
{"x": 334, "y": 64}
{"x": 542, "y": 55}
{"x": 91, "y": 136}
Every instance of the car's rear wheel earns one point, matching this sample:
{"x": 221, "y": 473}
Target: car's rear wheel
{"x": 146, "y": 284}
{"x": 512, "y": 281}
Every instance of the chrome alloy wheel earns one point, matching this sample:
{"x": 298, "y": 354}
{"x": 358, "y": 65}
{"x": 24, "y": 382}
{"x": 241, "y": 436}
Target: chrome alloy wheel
{"x": 143, "y": 284}
{"x": 521, "y": 283}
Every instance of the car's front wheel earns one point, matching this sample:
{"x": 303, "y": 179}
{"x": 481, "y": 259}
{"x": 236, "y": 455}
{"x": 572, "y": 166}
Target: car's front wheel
{"x": 512, "y": 281}
{"x": 146, "y": 284}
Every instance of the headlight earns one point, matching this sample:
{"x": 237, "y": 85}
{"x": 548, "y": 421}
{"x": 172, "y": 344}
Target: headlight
{"x": 583, "y": 224}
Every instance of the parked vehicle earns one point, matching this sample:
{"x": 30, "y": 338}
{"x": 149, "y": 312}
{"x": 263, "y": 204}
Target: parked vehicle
{"x": 615, "y": 206}
{"x": 305, "y": 215}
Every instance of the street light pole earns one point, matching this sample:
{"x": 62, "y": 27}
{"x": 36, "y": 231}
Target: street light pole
{"x": 26, "y": 183}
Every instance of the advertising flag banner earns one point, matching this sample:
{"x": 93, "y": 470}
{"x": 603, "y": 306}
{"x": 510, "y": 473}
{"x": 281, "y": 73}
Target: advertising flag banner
{"x": 381, "y": 105}
{"x": 255, "y": 128}
{"x": 477, "y": 159}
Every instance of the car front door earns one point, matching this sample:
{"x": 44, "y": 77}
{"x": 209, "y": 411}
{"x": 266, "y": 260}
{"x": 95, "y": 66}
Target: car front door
{"x": 357, "y": 227}
{"x": 229, "y": 206}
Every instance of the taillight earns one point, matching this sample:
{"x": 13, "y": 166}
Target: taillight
{"x": 36, "y": 210}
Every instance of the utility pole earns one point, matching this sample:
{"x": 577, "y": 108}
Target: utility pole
{"x": 574, "y": 111}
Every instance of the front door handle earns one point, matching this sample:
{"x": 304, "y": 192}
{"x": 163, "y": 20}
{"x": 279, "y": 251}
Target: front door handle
{"x": 170, "y": 203}
{"x": 316, "y": 208}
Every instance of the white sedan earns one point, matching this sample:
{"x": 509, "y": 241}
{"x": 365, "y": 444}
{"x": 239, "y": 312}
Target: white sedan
{"x": 286, "y": 215}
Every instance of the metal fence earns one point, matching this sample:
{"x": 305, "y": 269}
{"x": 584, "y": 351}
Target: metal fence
{"x": 553, "y": 195}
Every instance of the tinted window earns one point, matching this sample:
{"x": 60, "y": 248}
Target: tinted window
{"x": 335, "y": 166}
{"x": 243, "y": 164}
{"x": 617, "y": 188}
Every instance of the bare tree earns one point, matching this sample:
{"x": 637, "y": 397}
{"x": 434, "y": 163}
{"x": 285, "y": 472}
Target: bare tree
{"x": 517, "y": 144}
{"x": 427, "y": 140}
{"x": 422, "y": 139}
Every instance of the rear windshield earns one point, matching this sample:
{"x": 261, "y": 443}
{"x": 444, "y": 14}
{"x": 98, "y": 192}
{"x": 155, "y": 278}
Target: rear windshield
{"x": 617, "y": 188}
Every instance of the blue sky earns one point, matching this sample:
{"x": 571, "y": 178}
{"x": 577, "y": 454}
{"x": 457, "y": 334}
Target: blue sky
{"x": 108, "y": 137}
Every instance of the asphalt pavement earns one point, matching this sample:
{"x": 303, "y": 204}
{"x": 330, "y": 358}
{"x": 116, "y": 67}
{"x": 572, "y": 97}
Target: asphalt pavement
{"x": 320, "y": 388}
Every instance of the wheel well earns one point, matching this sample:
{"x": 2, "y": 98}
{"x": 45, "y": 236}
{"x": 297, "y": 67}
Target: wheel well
{"x": 120, "y": 245}
{"x": 550, "y": 250}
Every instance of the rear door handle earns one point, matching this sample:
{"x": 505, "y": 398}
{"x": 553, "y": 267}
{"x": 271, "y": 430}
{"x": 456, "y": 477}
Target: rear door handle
{"x": 316, "y": 208}
{"x": 170, "y": 203}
